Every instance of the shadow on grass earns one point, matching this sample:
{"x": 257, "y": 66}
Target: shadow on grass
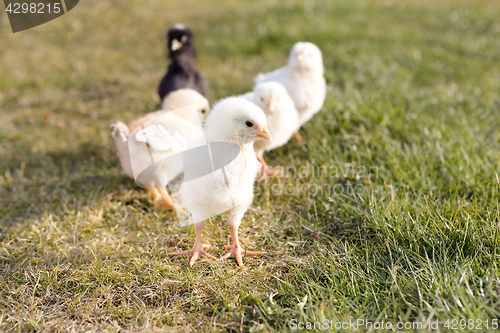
{"x": 59, "y": 181}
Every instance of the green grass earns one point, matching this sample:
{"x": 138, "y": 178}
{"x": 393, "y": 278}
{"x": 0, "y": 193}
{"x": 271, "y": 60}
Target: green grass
{"x": 409, "y": 138}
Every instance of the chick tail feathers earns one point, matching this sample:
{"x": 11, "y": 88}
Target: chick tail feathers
{"x": 120, "y": 132}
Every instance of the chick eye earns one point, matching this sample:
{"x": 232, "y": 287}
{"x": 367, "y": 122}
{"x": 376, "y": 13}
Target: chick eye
{"x": 262, "y": 99}
{"x": 249, "y": 123}
{"x": 203, "y": 111}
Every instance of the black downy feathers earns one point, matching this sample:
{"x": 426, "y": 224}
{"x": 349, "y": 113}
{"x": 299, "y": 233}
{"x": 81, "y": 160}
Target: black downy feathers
{"x": 181, "y": 72}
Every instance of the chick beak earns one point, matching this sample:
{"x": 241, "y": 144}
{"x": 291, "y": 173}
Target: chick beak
{"x": 264, "y": 134}
{"x": 301, "y": 57}
{"x": 175, "y": 45}
{"x": 270, "y": 103}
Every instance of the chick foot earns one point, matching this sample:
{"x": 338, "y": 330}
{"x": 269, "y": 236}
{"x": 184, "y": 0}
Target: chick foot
{"x": 197, "y": 249}
{"x": 266, "y": 170}
{"x": 237, "y": 251}
{"x": 276, "y": 172}
{"x": 195, "y": 252}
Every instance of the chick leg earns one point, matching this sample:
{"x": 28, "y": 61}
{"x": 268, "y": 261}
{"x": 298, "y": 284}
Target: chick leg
{"x": 160, "y": 183}
{"x": 236, "y": 250}
{"x": 155, "y": 193}
{"x": 166, "y": 198}
{"x": 262, "y": 171}
{"x": 266, "y": 170}
{"x": 197, "y": 247}
{"x": 298, "y": 137}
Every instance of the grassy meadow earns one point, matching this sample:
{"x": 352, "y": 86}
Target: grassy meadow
{"x": 388, "y": 211}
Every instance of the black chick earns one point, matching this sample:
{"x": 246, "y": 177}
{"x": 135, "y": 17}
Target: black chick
{"x": 181, "y": 72}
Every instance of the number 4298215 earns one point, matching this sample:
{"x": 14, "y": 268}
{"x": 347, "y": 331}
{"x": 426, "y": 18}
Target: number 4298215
{"x": 471, "y": 324}
{"x": 33, "y": 8}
